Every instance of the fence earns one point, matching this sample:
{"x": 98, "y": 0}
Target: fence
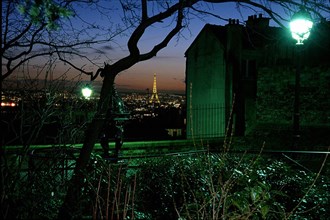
{"x": 206, "y": 121}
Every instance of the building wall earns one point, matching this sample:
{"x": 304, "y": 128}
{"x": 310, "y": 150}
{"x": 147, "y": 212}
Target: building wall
{"x": 235, "y": 99}
{"x": 206, "y": 88}
{"x": 249, "y": 64}
{"x": 275, "y": 96}
{"x": 257, "y": 68}
{"x": 276, "y": 80}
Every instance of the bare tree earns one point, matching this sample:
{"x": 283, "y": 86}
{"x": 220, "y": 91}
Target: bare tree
{"x": 37, "y": 36}
{"x": 33, "y": 31}
{"x": 138, "y": 17}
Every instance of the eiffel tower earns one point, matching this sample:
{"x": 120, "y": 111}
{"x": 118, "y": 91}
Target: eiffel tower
{"x": 154, "y": 97}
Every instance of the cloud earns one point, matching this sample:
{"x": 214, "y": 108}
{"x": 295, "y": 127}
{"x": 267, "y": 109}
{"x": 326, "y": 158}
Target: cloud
{"x": 103, "y": 49}
{"x": 165, "y": 57}
{"x": 107, "y": 47}
{"x": 123, "y": 86}
{"x": 180, "y": 80}
{"x": 99, "y": 51}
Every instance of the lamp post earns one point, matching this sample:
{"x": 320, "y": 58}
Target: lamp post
{"x": 86, "y": 92}
{"x": 300, "y": 27}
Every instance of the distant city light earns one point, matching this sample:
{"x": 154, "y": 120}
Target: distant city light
{"x": 8, "y": 104}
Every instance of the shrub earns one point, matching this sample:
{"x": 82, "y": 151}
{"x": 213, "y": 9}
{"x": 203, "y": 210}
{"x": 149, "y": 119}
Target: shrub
{"x": 215, "y": 186}
{"x": 206, "y": 186}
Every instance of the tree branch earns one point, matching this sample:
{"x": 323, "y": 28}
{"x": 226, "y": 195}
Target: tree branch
{"x": 140, "y": 29}
{"x": 166, "y": 40}
{"x": 12, "y": 69}
{"x": 74, "y": 66}
{"x": 144, "y": 10}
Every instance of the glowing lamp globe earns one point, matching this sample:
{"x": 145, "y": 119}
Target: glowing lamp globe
{"x": 300, "y": 26}
{"x": 87, "y": 92}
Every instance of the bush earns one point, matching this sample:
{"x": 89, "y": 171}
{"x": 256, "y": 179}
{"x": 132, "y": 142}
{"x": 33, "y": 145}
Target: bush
{"x": 215, "y": 186}
{"x": 36, "y": 193}
{"x": 206, "y": 186}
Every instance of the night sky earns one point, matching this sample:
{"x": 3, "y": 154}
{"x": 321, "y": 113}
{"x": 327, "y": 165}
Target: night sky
{"x": 169, "y": 64}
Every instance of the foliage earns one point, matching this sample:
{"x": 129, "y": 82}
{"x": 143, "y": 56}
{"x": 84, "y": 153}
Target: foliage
{"x": 294, "y": 184}
{"x": 34, "y": 189}
{"x": 212, "y": 186}
{"x": 45, "y": 11}
{"x": 209, "y": 186}
{"x": 109, "y": 190}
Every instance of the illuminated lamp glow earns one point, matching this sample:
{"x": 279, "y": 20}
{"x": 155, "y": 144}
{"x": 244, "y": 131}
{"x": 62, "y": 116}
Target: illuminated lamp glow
{"x": 87, "y": 92}
{"x": 300, "y": 26}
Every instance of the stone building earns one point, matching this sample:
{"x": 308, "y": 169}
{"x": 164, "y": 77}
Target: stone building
{"x": 240, "y": 76}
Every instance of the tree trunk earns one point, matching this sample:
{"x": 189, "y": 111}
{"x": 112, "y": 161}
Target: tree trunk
{"x": 70, "y": 207}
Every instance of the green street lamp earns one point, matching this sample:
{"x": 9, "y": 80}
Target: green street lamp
{"x": 86, "y": 92}
{"x": 300, "y": 27}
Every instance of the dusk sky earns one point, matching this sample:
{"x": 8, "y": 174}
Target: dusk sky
{"x": 169, "y": 64}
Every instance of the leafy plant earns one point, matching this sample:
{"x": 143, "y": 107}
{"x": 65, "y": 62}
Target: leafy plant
{"x": 46, "y": 11}
{"x": 215, "y": 186}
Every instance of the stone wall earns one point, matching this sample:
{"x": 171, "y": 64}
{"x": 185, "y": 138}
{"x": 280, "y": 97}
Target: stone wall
{"x": 275, "y": 95}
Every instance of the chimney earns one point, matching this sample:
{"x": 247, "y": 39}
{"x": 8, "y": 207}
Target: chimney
{"x": 233, "y": 21}
{"x": 257, "y": 22}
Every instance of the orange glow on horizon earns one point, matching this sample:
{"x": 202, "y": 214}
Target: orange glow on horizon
{"x": 170, "y": 76}
{"x": 144, "y": 82}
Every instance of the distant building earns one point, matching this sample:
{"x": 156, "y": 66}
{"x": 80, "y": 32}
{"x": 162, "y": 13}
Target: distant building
{"x": 154, "y": 97}
{"x": 246, "y": 73}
